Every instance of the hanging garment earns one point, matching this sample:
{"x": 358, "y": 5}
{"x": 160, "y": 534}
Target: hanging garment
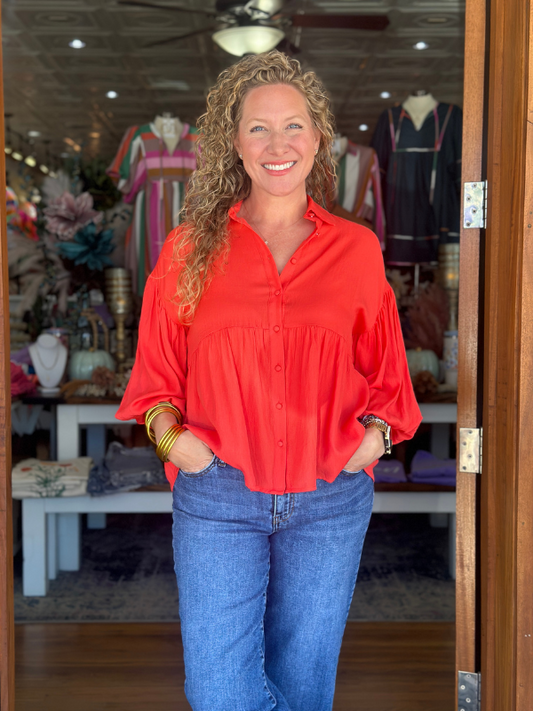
{"x": 359, "y": 188}
{"x": 155, "y": 181}
{"x": 421, "y": 179}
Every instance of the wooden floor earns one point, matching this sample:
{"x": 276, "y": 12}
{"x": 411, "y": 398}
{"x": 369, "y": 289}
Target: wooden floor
{"x": 139, "y": 667}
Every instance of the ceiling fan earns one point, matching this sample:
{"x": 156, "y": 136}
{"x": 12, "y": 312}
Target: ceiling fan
{"x": 254, "y": 26}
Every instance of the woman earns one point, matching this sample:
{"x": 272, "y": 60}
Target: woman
{"x": 271, "y": 333}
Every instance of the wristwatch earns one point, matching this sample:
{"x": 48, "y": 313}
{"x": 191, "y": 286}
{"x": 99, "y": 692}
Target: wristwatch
{"x": 373, "y": 421}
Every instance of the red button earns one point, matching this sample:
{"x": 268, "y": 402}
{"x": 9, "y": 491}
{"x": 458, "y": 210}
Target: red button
{"x": 279, "y": 405}
{"x": 277, "y": 293}
{"x": 280, "y": 443}
{"x": 276, "y": 328}
{"x": 278, "y": 368}
{"x": 293, "y": 261}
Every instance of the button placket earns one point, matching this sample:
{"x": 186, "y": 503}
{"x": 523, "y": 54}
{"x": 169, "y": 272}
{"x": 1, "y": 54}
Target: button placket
{"x": 277, "y": 355}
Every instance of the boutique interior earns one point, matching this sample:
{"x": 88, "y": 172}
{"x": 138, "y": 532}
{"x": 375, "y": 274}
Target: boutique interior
{"x": 101, "y": 100}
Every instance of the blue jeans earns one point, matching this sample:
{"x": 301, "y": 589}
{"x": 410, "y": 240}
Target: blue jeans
{"x": 265, "y": 584}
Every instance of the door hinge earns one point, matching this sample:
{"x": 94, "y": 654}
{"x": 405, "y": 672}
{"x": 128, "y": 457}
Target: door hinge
{"x": 470, "y": 450}
{"x": 475, "y": 205}
{"x": 469, "y": 697}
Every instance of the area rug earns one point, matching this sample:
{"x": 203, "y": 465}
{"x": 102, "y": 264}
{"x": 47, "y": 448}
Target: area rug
{"x": 127, "y": 574}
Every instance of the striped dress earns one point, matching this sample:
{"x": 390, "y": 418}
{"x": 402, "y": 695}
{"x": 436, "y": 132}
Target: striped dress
{"x": 155, "y": 181}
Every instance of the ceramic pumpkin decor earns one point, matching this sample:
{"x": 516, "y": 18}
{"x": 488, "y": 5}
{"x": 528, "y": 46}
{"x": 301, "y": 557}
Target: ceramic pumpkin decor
{"x": 419, "y": 359}
{"x": 82, "y": 363}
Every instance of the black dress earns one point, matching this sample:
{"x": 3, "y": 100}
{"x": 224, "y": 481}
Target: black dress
{"x": 421, "y": 181}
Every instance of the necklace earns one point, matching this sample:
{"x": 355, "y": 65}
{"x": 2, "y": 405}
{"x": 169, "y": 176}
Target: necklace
{"x": 48, "y": 367}
{"x": 252, "y": 223}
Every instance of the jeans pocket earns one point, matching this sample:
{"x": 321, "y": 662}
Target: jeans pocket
{"x": 202, "y": 472}
{"x": 347, "y": 472}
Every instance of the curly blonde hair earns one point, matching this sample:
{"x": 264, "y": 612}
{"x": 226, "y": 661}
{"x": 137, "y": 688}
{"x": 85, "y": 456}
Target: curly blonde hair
{"x": 220, "y": 180}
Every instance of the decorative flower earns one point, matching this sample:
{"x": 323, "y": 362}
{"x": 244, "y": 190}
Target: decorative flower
{"x": 89, "y": 247}
{"x": 67, "y": 214}
{"x": 103, "y": 377}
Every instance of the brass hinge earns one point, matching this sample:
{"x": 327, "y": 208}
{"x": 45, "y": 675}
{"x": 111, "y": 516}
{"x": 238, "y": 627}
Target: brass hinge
{"x": 470, "y": 450}
{"x": 475, "y": 205}
{"x": 469, "y": 696}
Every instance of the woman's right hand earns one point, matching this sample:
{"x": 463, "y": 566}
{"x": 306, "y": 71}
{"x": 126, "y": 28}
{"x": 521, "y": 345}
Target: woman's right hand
{"x": 188, "y": 452}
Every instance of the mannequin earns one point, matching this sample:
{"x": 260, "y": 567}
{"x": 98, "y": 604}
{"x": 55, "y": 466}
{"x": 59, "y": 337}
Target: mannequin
{"x": 339, "y": 147}
{"x": 49, "y": 358}
{"x": 151, "y": 168}
{"x": 418, "y": 106}
{"x": 418, "y": 144}
{"x": 358, "y": 185}
{"x": 170, "y": 128}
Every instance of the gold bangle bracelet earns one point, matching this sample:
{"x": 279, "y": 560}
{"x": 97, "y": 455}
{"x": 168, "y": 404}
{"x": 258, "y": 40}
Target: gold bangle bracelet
{"x": 167, "y": 441}
{"x": 154, "y": 410}
{"x": 157, "y": 410}
{"x": 150, "y": 430}
{"x": 165, "y": 444}
{"x": 166, "y": 438}
{"x": 163, "y": 452}
{"x": 161, "y": 407}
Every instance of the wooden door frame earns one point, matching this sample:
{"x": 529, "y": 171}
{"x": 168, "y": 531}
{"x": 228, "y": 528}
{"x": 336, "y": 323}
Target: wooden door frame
{"x": 470, "y": 364}
{"x": 494, "y": 516}
{"x": 506, "y": 484}
{"x": 7, "y": 621}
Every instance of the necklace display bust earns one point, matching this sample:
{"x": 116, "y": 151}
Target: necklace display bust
{"x": 49, "y": 358}
{"x": 419, "y": 107}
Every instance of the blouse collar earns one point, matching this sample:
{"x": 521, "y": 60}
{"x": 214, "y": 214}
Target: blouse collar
{"x": 313, "y": 212}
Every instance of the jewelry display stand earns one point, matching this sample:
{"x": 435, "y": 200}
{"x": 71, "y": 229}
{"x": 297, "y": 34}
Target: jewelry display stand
{"x": 49, "y": 358}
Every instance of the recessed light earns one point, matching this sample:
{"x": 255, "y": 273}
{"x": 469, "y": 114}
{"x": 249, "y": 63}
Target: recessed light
{"x": 44, "y": 169}
{"x": 30, "y": 160}
{"x": 112, "y": 95}
{"x": 76, "y": 44}
{"x": 363, "y": 127}
{"x": 8, "y": 150}
{"x": 34, "y": 134}
{"x": 94, "y": 134}
{"x": 385, "y": 94}
{"x": 421, "y": 45}
{"x": 16, "y": 155}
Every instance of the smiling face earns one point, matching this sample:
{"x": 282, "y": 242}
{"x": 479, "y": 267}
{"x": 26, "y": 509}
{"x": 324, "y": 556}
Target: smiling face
{"x": 277, "y": 140}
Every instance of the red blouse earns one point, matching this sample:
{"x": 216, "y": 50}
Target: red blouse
{"x": 276, "y": 368}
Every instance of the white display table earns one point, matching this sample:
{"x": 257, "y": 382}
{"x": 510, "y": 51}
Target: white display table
{"x": 51, "y": 527}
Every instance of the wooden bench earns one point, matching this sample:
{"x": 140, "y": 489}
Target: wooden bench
{"x": 51, "y": 527}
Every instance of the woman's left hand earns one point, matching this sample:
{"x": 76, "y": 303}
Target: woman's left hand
{"x": 371, "y": 448}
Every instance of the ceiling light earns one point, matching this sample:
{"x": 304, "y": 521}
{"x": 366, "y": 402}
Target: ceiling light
{"x": 250, "y": 39}
{"x": 112, "y": 94}
{"x": 44, "y": 169}
{"x": 177, "y": 84}
{"x": 8, "y": 150}
{"x": 30, "y": 160}
{"x": 34, "y": 134}
{"x": 363, "y": 127}
{"x": 420, "y": 45}
{"x": 76, "y": 44}
{"x": 94, "y": 134}
{"x": 16, "y": 155}
{"x": 385, "y": 94}
{"x": 53, "y": 174}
